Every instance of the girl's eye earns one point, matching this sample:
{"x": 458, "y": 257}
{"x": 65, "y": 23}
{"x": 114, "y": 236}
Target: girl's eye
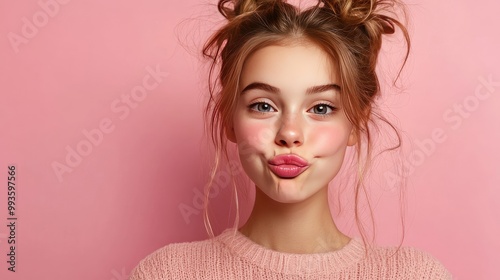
{"x": 319, "y": 109}
{"x": 323, "y": 109}
{"x": 262, "y": 107}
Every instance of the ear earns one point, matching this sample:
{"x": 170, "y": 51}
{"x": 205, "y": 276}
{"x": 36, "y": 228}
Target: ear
{"x": 230, "y": 133}
{"x": 353, "y": 138}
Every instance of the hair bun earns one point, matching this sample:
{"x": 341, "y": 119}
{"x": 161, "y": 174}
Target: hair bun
{"x": 362, "y": 13}
{"x": 233, "y": 8}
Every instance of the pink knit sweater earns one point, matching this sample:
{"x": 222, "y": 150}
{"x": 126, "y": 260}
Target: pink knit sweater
{"x": 237, "y": 257}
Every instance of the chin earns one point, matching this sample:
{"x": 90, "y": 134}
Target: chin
{"x": 288, "y": 192}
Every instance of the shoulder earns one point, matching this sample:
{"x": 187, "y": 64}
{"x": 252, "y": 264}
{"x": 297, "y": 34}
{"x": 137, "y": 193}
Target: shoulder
{"x": 408, "y": 263}
{"x": 167, "y": 262}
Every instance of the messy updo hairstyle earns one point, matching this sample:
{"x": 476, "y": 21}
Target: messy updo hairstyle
{"x": 349, "y": 31}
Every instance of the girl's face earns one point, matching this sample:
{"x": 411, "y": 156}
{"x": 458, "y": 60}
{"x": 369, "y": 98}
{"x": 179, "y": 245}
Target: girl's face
{"x": 289, "y": 126}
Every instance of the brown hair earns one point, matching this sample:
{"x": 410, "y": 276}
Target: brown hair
{"x": 350, "y": 31}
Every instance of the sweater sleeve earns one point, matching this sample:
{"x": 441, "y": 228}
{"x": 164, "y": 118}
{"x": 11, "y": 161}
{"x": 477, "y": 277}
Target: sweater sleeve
{"x": 152, "y": 267}
{"x": 437, "y": 270}
{"x": 432, "y": 268}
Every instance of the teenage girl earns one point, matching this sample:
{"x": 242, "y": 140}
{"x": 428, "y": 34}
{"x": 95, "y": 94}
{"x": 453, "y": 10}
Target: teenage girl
{"x": 292, "y": 89}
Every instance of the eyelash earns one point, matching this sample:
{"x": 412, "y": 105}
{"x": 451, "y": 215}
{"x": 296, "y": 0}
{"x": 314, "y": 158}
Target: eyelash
{"x": 333, "y": 108}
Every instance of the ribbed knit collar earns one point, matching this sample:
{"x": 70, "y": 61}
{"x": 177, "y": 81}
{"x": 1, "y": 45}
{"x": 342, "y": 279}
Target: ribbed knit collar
{"x": 290, "y": 263}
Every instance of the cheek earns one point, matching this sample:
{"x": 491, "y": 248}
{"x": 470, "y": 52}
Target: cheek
{"x": 252, "y": 136}
{"x": 329, "y": 140}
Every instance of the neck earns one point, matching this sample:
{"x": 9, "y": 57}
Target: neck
{"x": 303, "y": 228}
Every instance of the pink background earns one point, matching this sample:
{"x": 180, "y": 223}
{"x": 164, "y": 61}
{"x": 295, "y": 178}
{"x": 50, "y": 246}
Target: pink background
{"x": 67, "y": 76}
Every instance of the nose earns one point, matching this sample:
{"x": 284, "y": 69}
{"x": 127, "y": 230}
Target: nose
{"x": 290, "y": 133}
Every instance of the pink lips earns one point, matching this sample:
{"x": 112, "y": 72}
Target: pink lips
{"x": 288, "y": 166}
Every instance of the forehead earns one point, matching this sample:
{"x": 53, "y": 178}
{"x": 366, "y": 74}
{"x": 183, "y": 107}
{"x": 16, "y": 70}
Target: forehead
{"x": 299, "y": 65}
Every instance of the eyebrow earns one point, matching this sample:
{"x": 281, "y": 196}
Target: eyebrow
{"x": 271, "y": 89}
